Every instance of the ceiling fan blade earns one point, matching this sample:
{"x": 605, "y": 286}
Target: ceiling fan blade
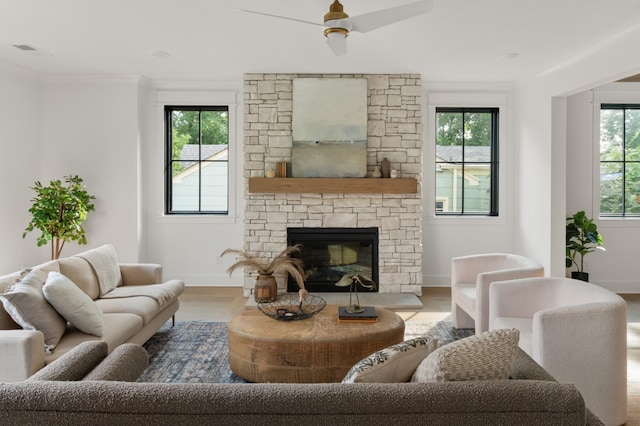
{"x": 282, "y": 17}
{"x": 338, "y": 45}
{"x": 374, "y": 20}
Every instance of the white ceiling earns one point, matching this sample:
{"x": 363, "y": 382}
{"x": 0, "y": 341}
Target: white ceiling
{"x": 459, "y": 40}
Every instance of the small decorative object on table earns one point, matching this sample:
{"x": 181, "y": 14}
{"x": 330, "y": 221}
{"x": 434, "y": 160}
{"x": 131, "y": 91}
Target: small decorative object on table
{"x": 266, "y": 288}
{"x": 353, "y": 281}
{"x": 367, "y": 315}
{"x": 290, "y": 308}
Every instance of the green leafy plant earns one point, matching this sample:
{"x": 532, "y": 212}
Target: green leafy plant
{"x": 582, "y": 237}
{"x": 58, "y": 211}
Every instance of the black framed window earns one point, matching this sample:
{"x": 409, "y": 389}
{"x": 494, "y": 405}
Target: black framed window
{"x": 620, "y": 160}
{"x": 466, "y": 163}
{"x": 196, "y": 159}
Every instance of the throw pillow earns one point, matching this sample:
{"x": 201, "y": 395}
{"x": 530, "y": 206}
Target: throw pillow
{"x": 73, "y": 304}
{"x": 24, "y": 301}
{"x": 487, "y": 356}
{"x": 394, "y": 364}
{"x": 104, "y": 262}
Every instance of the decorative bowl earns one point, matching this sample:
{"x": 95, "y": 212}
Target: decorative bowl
{"x": 289, "y": 308}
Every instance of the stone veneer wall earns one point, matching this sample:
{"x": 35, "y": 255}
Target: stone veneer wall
{"x": 394, "y": 132}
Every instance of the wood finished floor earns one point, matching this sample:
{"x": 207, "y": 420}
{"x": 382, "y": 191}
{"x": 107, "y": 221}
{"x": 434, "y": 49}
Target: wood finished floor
{"x": 222, "y": 303}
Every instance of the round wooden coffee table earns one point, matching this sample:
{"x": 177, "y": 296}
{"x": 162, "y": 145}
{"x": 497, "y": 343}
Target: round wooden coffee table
{"x": 314, "y": 350}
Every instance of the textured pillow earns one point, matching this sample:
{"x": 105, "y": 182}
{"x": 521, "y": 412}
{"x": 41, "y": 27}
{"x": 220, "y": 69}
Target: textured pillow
{"x": 73, "y": 304}
{"x": 487, "y": 356}
{"x": 394, "y": 364}
{"x": 25, "y": 303}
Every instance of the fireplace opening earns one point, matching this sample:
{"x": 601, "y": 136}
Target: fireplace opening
{"x": 329, "y": 254}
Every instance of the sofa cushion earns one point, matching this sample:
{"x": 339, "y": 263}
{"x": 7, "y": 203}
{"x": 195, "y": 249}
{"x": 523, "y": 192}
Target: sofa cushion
{"x": 73, "y": 304}
{"x": 24, "y": 301}
{"x": 137, "y": 303}
{"x": 75, "y": 364}
{"x": 118, "y": 328}
{"x": 144, "y": 307}
{"x": 394, "y": 364}
{"x": 80, "y": 272}
{"x": 466, "y": 296}
{"x": 488, "y": 356}
{"x": 126, "y": 363}
{"x": 104, "y": 262}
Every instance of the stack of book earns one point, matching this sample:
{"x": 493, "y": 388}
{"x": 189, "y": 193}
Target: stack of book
{"x": 369, "y": 315}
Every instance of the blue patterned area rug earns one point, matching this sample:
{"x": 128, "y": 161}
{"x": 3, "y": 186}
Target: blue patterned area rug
{"x": 197, "y": 352}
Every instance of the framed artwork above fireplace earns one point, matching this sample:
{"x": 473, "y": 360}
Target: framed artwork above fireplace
{"x": 329, "y": 127}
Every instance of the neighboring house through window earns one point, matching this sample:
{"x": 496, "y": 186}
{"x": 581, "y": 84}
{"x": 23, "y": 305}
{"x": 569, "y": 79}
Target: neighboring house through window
{"x": 197, "y": 160}
{"x": 466, "y": 164}
{"x": 620, "y": 160}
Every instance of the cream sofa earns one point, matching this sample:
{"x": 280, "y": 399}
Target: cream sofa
{"x": 132, "y": 312}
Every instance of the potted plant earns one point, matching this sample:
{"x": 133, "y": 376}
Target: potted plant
{"x": 266, "y": 288}
{"x": 582, "y": 237}
{"x": 58, "y": 211}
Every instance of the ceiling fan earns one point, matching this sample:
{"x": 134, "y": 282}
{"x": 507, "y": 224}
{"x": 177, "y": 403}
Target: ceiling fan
{"x": 338, "y": 24}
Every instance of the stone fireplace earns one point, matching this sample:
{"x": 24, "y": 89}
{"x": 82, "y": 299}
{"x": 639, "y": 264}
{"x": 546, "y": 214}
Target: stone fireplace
{"x": 394, "y": 128}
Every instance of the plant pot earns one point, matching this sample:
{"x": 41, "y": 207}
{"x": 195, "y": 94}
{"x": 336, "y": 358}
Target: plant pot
{"x": 582, "y": 276}
{"x": 266, "y": 289}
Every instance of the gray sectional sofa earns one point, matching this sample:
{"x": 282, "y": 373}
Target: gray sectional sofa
{"x": 530, "y": 397}
{"x": 133, "y": 303}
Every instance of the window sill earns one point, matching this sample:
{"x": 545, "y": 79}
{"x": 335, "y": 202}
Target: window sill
{"x": 191, "y": 219}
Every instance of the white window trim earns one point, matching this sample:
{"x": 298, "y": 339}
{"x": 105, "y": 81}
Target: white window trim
{"x": 199, "y": 98}
{"x": 471, "y": 100}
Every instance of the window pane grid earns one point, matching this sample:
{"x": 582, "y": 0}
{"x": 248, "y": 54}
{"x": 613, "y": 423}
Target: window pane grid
{"x": 197, "y": 153}
{"x": 466, "y": 161}
{"x": 620, "y": 160}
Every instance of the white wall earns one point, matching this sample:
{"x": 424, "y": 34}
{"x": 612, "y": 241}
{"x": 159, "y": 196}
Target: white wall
{"x": 617, "y": 268}
{"x": 90, "y": 128}
{"x": 188, "y": 247}
{"x": 19, "y": 144}
{"x": 447, "y": 237}
{"x": 542, "y": 206}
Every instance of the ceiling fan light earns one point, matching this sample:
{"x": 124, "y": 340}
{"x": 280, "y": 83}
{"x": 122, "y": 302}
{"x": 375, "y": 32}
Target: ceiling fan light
{"x": 336, "y": 32}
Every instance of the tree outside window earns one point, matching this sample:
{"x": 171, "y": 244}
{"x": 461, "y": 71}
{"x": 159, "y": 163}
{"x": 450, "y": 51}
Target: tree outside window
{"x": 619, "y": 160}
{"x": 466, "y": 161}
{"x": 197, "y": 168}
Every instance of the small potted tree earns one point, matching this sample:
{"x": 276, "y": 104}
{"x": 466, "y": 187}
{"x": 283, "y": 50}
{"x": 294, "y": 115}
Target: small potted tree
{"x": 58, "y": 211}
{"x": 582, "y": 237}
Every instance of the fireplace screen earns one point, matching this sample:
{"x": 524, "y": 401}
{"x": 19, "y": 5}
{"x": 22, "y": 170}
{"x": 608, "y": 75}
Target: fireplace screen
{"x": 329, "y": 254}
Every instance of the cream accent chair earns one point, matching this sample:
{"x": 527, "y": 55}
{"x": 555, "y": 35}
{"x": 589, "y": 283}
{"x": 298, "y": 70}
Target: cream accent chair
{"x": 576, "y": 331}
{"x": 470, "y": 280}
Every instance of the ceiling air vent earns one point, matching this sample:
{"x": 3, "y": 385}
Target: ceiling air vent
{"x": 24, "y": 47}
